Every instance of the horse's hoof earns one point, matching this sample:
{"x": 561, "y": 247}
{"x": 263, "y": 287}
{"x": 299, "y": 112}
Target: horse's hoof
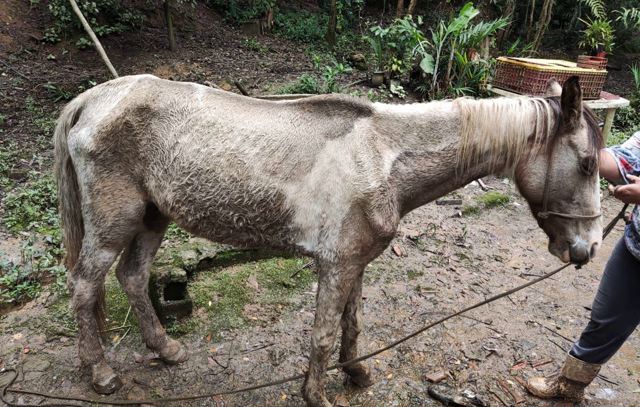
{"x": 314, "y": 397}
{"x": 174, "y": 353}
{"x": 104, "y": 379}
{"x": 359, "y": 375}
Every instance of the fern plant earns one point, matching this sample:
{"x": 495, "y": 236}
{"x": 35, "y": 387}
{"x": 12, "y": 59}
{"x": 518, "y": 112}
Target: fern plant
{"x": 597, "y": 7}
{"x": 629, "y": 17}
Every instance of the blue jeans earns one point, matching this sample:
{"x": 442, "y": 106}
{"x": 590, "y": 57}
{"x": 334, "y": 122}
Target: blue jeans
{"x": 615, "y": 313}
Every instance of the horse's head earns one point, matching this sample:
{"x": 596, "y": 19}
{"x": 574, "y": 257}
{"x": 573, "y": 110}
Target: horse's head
{"x": 560, "y": 182}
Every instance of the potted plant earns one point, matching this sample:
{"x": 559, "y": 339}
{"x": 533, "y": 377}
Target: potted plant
{"x": 378, "y": 41}
{"x": 597, "y": 37}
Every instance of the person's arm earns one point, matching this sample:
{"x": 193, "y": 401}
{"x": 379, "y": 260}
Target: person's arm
{"x": 621, "y": 165}
{"x": 608, "y": 168}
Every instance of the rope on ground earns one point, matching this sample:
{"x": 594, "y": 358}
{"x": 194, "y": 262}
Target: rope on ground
{"x": 607, "y": 229}
{"x": 93, "y": 37}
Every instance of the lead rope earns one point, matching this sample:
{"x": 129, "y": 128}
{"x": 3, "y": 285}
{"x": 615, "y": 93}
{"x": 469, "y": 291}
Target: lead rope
{"x": 7, "y": 388}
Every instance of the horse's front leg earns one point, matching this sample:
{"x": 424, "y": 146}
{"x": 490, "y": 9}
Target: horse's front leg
{"x": 351, "y": 327}
{"x": 334, "y": 285}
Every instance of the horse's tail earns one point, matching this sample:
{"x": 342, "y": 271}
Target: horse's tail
{"x": 69, "y": 197}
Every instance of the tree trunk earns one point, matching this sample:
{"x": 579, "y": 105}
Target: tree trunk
{"x": 412, "y": 7}
{"x": 529, "y": 21}
{"x": 400, "y": 9}
{"x": 169, "y": 20}
{"x": 333, "y": 22}
{"x": 543, "y": 23}
{"x": 509, "y": 13}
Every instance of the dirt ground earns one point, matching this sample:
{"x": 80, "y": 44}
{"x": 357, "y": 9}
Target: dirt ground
{"x": 438, "y": 263}
{"x": 446, "y": 263}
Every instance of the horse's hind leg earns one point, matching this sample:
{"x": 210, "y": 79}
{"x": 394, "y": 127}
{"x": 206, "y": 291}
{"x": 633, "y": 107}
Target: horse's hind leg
{"x": 133, "y": 273}
{"x": 351, "y": 327}
{"x": 85, "y": 283}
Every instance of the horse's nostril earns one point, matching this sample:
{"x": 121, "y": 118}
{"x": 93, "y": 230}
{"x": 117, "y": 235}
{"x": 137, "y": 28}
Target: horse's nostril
{"x": 592, "y": 252}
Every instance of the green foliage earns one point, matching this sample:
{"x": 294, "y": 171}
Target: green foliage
{"x": 599, "y": 32}
{"x": 32, "y": 207}
{"x": 597, "y": 7}
{"x": 44, "y": 121}
{"x": 305, "y": 84}
{"x": 104, "y": 16}
{"x": 392, "y": 46}
{"x": 301, "y": 26}
{"x": 324, "y": 80}
{"x": 635, "y": 96}
{"x": 492, "y": 199}
{"x": 243, "y": 11}
{"x": 629, "y": 17}
{"x": 57, "y": 93}
{"x": 463, "y": 71}
{"x": 255, "y": 45}
{"x": 21, "y": 282}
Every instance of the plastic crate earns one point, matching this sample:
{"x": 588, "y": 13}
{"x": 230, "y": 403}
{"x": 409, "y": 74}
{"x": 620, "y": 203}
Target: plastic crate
{"x": 529, "y": 76}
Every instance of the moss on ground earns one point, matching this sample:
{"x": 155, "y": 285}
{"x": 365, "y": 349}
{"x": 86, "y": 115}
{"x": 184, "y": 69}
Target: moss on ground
{"x": 493, "y": 199}
{"x": 220, "y": 295}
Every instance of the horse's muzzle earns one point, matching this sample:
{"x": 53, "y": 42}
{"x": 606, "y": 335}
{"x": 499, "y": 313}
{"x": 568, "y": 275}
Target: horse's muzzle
{"x": 581, "y": 253}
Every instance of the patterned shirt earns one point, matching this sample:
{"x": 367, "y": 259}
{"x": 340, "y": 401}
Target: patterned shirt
{"x": 627, "y": 157}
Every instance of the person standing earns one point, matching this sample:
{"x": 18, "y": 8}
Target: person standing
{"x": 615, "y": 313}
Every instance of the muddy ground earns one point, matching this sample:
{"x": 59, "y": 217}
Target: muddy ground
{"x": 252, "y": 320}
{"x": 446, "y": 262}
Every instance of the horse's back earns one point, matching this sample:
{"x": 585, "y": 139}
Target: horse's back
{"x": 230, "y": 168}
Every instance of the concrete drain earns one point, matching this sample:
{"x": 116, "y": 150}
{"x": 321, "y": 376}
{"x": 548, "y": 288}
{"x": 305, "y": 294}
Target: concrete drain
{"x": 169, "y": 294}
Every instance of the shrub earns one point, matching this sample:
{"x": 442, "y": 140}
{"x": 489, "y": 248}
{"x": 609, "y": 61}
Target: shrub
{"x": 104, "y": 16}
{"x": 301, "y": 26}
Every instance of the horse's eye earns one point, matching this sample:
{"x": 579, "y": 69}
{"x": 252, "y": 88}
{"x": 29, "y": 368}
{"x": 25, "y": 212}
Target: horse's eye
{"x": 588, "y": 165}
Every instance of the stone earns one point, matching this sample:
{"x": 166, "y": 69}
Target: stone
{"x": 35, "y": 364}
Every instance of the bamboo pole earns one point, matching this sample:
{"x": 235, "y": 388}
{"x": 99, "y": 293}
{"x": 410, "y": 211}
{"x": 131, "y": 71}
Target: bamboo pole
{"x": 93, "y": 37}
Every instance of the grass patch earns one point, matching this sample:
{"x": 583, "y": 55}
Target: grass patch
{"x": 492, "y": 199}
{"x": 220, "y": 295}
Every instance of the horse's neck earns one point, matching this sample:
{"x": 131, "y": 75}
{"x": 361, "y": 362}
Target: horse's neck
{"x": 428, "y": 140}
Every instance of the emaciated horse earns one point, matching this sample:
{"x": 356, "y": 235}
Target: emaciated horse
{"x": 327, "y": 176}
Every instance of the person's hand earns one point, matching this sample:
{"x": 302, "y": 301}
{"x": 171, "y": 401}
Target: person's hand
{"x": 629, "y": 193}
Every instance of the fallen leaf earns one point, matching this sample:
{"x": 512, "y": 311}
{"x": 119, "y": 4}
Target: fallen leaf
{"x": 283, "y": 396}
{"x": 209, "y": 338}
{"x": 26, "y": 350}
{"x": 341, "y": 401}
{"x": 389, "y": 376}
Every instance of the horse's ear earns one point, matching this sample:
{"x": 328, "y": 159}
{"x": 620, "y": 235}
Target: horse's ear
{"x": 571, "y": 102}
{"x": 553, "y": 88}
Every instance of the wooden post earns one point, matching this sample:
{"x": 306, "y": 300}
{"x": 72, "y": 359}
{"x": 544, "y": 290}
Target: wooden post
{"x": 169, "y": 20}
{"x": 333, "y": 23}
{"x": 93, "y": 37}
{"x": 608, "y": 123}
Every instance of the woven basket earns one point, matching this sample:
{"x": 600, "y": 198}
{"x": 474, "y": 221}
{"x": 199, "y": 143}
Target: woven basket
{"x": 529, "y": 76}
{"x": 589, "y": 62}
